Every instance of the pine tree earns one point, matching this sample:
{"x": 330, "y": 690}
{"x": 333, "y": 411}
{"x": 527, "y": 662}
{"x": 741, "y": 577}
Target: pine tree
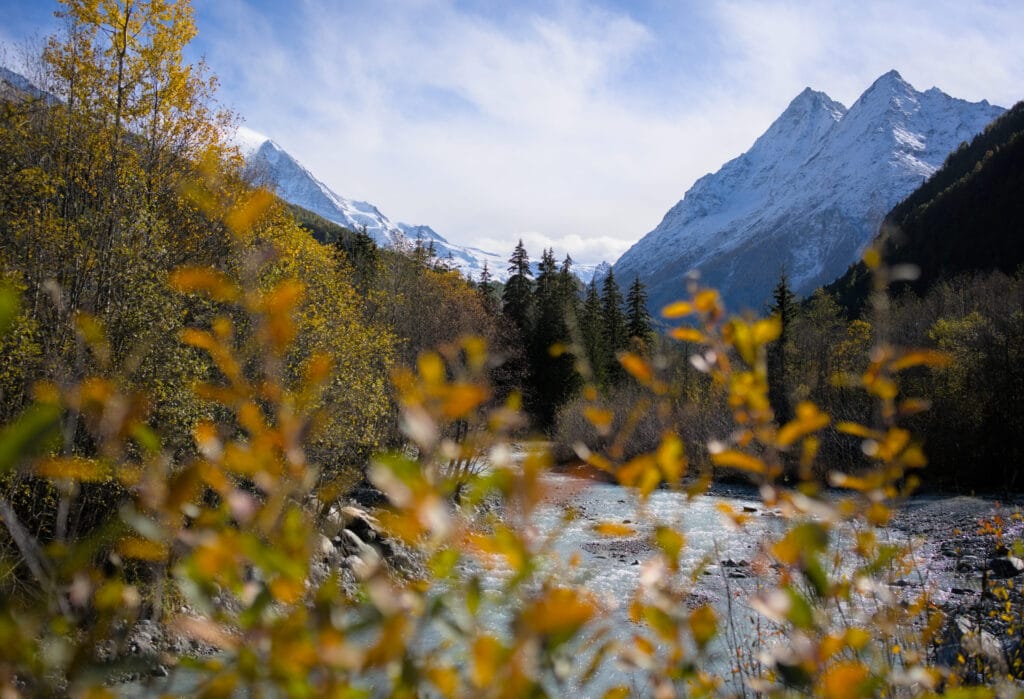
{"x": 592, "y": 333}
{"x": 553, "y": 375}
{"x": 486, "y": 287}
{"x": 784, "y": 306}
{"x": 517, "y": 297}
{"x": 616, "y": 339}
{"x": 638, "y": 319}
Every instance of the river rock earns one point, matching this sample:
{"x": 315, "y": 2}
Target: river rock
{"x": 962, "y": 637}
{"x": 968, "y": 564}
{"x": 1006, "y": 566}
{"x": 729, "y": 563}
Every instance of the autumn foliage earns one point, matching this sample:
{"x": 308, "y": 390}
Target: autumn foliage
{"x": 191, "y": 385}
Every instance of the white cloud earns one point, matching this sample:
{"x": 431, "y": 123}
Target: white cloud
{"x": 488, "y": 127}
{"x": 582, "y": 249}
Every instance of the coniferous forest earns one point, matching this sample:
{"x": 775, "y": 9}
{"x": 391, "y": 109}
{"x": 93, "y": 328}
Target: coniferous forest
{"x": 248, "y": 451}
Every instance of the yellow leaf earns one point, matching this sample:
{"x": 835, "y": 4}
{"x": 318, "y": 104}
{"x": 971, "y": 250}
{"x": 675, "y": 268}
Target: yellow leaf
{"x": 613, "y": 529}
{"x": 767, "y": 330}
{"x": 857, "y": 638}
{"x": 286, "y": 590}
{"x": 431, "y": 368}
{"x": 488, "y": 654}
{"x": 736, "y": 459}
{"x": 559, "y": 611}
{"x": 445, "y": 678}
{"x": 677, "y": 309}
{"x": 703, "y": 624}
{"x": 620, "y": 692}
{"x": 913, "y": 457}
{"x": 808, "y": 419}
{"x": 684, "y": 334}
{"x": 671, "y": 458}
{"x": 72, "y": 468}
{"x": 631, "y": 473}
{"x": 142, "y": 549}
{"x": 671, "y": 544}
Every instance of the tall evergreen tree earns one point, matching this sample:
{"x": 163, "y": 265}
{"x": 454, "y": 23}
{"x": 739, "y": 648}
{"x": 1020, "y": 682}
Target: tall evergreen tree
{"x": 591, "y": 320}
{"x": 486, "y": 287}
{"x": 613, "y": 323}
{"x": 784, "y": 305}
{"x": 638, "y": 319}
{"x": 517, "y": 297}
{"x": 553, "y": 375}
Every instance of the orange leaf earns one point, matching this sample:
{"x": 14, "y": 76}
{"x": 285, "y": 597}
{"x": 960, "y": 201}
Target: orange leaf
{"x": 637, "y": 367}
{"x": 215, "y": 284}
{"x": 677, "y": 309}
{"x": 600, "y": 418}
{"x": 706, "y": 301}
{"x": 613, "y": 529}
{"x": 737, "y": 459}
{"x": 684, "y": 334}
{"x": 241, "y": 217}
{"x": 921, "y": 358}
{"x": 857, "y": 430}
{"x": 846, "y": 680}
{"x": 462, "y": 398}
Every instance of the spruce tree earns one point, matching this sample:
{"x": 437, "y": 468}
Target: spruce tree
{"x": 616, "y": 339}
{"x": 638, "y": 319}
{"x": 486, "y": 287}
{"x": 517, "y": 297}
{"x": 553, "y": 376}
{"x": 592, "y": 333}
{"x": 785, "y": 307}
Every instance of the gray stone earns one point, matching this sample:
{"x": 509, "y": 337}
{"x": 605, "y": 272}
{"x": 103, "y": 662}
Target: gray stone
{"x": 1006, "y": 567}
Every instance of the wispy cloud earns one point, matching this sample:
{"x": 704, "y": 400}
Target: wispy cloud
{"x": 572, "y": 124}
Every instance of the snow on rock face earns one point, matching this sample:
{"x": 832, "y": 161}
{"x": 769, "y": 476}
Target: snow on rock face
{"x": 808, "y": 196}
{"x": 270, "y": 165}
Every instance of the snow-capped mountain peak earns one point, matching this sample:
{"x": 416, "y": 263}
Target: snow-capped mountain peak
{"x": 808, "y": 195}
{"x": 248, "y": 141}
{"x": 268, "y": 164}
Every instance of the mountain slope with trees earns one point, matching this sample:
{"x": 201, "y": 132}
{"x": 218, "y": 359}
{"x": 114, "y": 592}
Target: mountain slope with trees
{"x": 968, "y": 216}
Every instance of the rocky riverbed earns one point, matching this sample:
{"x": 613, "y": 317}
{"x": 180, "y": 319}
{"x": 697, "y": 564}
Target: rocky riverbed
{"x": 958, "y": 558}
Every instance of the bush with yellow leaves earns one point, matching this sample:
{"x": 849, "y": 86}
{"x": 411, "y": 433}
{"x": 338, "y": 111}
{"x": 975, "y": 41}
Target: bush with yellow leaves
{"x": 220, "y": 549}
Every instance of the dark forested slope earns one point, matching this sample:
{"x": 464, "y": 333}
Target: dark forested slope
{"x": 968, "y": 217}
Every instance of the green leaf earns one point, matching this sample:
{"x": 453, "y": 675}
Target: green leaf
{"x": 9, "y": 307}
{"x": 29, "y": 434}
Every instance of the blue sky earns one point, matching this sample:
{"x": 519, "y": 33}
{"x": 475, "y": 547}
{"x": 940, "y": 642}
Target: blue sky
{"x": 568, "y": 123}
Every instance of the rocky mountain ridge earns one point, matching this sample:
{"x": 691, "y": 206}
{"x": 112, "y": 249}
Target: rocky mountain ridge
{"x": 807, "y": 197}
